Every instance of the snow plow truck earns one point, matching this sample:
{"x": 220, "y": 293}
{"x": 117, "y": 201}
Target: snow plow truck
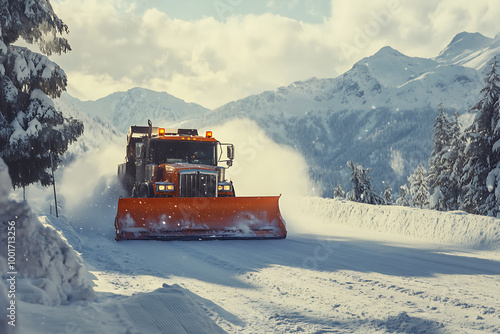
{"x": 178, "y": 191}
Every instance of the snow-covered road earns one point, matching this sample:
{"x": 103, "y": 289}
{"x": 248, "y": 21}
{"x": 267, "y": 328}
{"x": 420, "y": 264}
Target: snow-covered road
{"x": 314, "y": 283}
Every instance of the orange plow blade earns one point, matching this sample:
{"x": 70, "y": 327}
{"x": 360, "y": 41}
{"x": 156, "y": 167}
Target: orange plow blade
{"x": 199, "y": 218}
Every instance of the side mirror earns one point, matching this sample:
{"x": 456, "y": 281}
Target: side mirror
{"x": 230, "y": 152}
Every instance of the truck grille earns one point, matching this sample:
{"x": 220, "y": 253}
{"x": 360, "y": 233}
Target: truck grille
{"x": 197, "y": 184}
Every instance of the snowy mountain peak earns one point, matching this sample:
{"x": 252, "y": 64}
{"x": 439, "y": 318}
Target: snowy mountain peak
{"x": 393, "y": 69}
{"x": 388, "y": 51}
{"x": 139, "y": 93}
{"x": 470, "y": 50}
{"x": 470, "y": 39}
{"x": 464, "y": 43}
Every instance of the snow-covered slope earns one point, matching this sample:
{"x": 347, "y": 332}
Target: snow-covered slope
{"x": 393, "y": 69}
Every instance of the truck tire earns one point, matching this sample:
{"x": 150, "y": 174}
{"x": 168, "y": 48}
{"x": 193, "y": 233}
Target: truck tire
{"x": 145, "y": 190}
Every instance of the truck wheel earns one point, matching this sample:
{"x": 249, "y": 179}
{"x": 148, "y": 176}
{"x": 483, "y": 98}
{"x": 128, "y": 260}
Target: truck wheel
{"x": 145, "y": 190}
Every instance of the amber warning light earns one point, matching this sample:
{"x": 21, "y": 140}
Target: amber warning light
{"x": 161, "y": 131}
{"x": 209, "y": 134}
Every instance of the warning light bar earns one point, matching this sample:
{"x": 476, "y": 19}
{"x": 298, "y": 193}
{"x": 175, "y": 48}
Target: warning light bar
{"x": 161, "y": 131}
{"x": 209, "y": 134}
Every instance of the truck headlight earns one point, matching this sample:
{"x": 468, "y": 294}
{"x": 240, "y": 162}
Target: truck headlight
{"x": 164, "y": 187}
{"x": 224, "y": 187}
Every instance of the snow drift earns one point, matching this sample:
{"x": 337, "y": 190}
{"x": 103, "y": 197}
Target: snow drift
{"x": 49, "y": 271}
{"x": 456, "y": 227}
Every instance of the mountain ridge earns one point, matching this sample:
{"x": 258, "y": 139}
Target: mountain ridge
{"x": 137, "y": 105}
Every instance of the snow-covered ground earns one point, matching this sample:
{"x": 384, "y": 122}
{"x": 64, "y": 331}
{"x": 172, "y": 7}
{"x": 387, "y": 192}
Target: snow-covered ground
{"x": 325, "y": 277}
{"x": 344, "y": 267}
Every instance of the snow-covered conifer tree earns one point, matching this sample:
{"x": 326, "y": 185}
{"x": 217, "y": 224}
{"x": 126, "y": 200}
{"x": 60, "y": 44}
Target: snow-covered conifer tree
{"x": 456, "y": 161}
{"x": 362, "y": 190}
{"x": 338, "y": 192}
{"x": 30, "y": 126}
{"x": 404, "y": 196}
{"x": 482, "y": 156}
{"x": 440, "y": 162}
{"x": 419, "y": 189}
{"x": 388, "y": 195}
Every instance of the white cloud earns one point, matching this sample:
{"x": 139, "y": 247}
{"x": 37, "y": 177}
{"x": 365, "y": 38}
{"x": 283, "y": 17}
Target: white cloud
{"x": 416, "y": 28}
{"x": 211, "y": 62}
{"x": 462, "y": 15}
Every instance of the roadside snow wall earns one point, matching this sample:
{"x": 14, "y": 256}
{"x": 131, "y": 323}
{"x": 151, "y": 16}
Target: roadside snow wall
{"x": 456, "y": 227}
{"x": 48, "y": 270}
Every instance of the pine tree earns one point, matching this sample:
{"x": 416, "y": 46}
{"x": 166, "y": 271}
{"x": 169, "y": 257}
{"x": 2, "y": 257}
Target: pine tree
{"x": 338, "y": 192}
{"x": 441, "y": 162}
{"x": 404, "y": 196}
{"x": 362, "y": 191}
{"x": 419, "y": 189}
{"x": 388, "y": 195}
{"x": 31, "y": 129}
{"x": 456, "y": 160}
{"x": 481, "y": 155}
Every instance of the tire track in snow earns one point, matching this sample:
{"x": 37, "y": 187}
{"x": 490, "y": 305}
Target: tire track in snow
{"x": 415, "y": 295}
{"x": 431, "y": 298}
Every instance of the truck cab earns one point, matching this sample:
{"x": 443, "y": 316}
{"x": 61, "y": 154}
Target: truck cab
{"x": 163, "y": 162}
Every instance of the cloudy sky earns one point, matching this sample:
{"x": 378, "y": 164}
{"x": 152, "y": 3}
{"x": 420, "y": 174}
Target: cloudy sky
{"x": 214, "y": 51}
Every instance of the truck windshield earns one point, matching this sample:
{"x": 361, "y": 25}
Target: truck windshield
{"x": 170, "y": 151}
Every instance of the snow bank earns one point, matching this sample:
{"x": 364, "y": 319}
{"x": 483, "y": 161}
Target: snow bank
{"x": 474, "y": 231}
{"x": 48, "y": 270}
